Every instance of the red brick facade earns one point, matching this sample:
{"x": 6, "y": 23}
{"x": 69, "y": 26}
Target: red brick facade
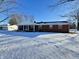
{"x": 44, "y": 28}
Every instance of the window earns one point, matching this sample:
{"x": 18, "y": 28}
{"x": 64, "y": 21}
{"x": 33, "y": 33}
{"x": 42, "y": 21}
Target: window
{"x": 51, "y": 26}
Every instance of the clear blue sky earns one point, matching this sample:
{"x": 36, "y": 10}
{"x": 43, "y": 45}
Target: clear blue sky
{"x": 40, "y": 10}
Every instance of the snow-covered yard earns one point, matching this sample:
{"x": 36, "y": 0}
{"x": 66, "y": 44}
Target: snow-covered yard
{"x": 38, "y": 45}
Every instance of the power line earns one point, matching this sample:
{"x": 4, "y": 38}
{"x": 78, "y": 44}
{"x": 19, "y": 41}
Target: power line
{"x": 4, "y": 19}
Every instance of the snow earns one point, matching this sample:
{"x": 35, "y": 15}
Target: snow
{"x": 38, "y": 45}
{"x": 25, "y": 34}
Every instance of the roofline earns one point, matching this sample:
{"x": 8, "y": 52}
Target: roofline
{"x": 54, "y": 22}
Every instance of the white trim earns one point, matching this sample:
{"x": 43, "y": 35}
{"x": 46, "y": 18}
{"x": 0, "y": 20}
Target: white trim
{"x": 47, "y": 24}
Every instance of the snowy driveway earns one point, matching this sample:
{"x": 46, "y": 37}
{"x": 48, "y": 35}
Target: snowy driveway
{"x": 43, "y": 46}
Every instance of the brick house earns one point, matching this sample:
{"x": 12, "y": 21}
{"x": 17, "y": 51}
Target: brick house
{"x": 57, "y": 26}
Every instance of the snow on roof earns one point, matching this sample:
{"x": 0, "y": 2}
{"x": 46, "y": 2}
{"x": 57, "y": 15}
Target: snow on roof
{"x": 52, "y": 23}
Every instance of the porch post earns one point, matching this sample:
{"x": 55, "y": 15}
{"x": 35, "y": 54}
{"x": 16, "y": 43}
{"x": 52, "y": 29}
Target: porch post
{"x": 23, "y": 27}
{"x": 28, "y": 27}
{"x": 33, "y": 27}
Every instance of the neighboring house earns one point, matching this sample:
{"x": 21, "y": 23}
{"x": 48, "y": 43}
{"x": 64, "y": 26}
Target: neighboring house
{"x": 3, "y": 27}
{"x": 12, "y": 27}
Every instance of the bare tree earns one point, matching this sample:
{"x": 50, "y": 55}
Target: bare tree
{"x": 6, "y": 6}
{"x": 73, "y": 15}
{"x": 73, "y": 19}
{"x": 76, "y": 16}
